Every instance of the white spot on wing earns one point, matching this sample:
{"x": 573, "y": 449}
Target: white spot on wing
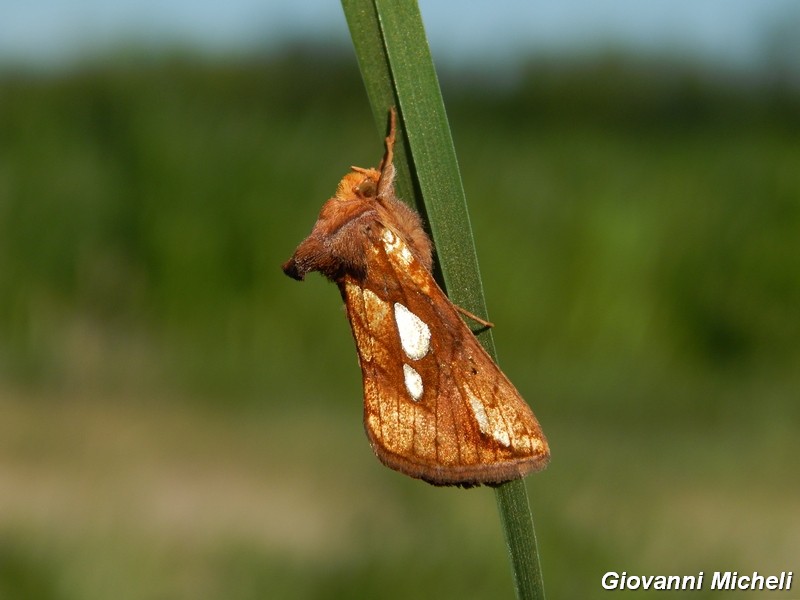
{"x": 480, "y": 414}
{"x": 415, "y": 336}
{"x": 395, "y": 246}
{"x": 501, "y": 436}
{"x": 496, "y": 428}
{"x": 413, "y": 381}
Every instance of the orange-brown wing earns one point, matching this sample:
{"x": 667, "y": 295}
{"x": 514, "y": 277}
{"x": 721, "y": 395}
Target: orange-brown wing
{"x": 436, "y": 406}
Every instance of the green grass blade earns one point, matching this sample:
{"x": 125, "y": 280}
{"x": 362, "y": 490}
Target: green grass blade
{"x": 398, "y": 71}
{"x": 365, "y": 31}
{"x": 397, "y": 68}
{"x": 515, "y": 514}
{"x": 434, "y": 159}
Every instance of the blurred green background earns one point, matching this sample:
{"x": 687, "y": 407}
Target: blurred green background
{"x": 180, "y": 420}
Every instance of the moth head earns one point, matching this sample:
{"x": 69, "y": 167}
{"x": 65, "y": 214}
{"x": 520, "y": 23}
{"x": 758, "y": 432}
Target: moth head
{"x": 359, "y": 184}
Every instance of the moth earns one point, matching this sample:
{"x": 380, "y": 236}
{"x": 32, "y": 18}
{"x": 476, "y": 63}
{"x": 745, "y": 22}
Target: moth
{"x": 436, "y": 406}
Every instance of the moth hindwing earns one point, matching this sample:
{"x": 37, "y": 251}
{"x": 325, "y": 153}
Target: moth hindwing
{"x": 436, "y": 406}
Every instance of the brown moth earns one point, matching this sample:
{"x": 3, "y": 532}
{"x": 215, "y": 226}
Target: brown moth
{"x": 436, "y": 407}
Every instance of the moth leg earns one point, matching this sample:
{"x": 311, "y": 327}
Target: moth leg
{"x": 483, "y": 322}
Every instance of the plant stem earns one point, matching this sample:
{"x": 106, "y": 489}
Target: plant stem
{"x": 397, "y": 68}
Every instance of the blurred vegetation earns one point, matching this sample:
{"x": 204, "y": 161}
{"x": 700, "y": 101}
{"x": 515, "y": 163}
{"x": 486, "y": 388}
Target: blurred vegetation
{"x": 633, "y": 216}
{"x": 637, "y": 226}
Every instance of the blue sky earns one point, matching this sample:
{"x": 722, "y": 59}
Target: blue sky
{"x": 460, "y": 32}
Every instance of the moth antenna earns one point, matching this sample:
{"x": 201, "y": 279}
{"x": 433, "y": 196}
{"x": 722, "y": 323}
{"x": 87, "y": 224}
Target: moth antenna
{"x": 387, "y": 164}
{"x": 389, "y": 142}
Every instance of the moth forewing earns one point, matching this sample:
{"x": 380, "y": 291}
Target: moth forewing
{"x": 467, "y": 425}
{"x": 436, "y": 407}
